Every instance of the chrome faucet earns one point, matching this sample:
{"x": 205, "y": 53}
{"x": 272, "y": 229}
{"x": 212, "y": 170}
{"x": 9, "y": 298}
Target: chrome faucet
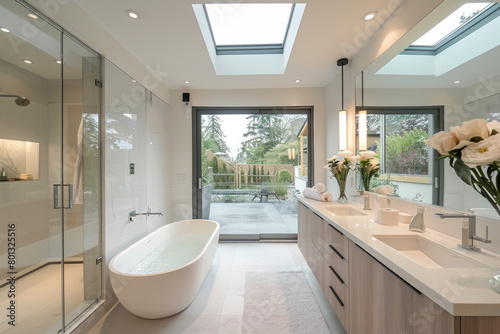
{"x": 366, "y": 199}
{"x": 417, "y": 221}
{"x": 148, "y": 213}
{"x": 468, "y": 230}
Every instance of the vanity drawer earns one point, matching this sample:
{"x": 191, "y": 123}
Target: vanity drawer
{"x": 338, "y": 262}
{"x": 333, "y": 279}
{"x": 338, "y": 240}
{"x": 339, "y": 307}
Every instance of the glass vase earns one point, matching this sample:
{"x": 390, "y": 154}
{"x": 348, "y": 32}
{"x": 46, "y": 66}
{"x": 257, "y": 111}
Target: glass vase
{"x": 342, "y": 197}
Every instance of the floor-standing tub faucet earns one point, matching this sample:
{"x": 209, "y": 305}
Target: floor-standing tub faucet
{"x": 468, "y": 230}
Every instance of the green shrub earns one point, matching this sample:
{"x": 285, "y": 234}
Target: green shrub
{"x": 284, "y": 177}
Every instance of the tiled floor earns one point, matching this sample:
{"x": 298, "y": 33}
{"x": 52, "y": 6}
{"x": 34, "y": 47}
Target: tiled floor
{"x": 252, "y": 218}
{"x": 38, "y": 300}
{"x": 218, "y": 307}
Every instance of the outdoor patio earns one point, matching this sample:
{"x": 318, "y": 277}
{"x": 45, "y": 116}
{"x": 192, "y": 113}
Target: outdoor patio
{"x": 253, "y": 218}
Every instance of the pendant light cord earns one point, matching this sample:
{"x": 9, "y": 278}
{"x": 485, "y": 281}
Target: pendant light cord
{"x": 342, "y": 87}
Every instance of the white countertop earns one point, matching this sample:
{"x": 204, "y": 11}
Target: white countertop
{"x": 460, "y": 291}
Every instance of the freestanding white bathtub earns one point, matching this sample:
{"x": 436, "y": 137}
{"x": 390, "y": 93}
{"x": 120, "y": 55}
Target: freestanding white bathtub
{"x": 159, "y": 275}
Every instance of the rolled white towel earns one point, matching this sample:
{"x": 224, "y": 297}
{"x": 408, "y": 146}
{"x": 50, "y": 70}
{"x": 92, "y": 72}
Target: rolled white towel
{"x": 313, "y": 194}
{"x": 327, "y": 197}
{"x": 384, "y": 190}
{"x": 320, "y": 187}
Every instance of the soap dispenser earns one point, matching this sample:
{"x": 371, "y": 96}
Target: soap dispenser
{"x": 417, "y": 222}
{"x": 3, "y": 175}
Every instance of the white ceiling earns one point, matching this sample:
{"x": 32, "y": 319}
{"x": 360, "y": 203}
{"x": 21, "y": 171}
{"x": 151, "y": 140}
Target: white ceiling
{"x": 168, "y": 36}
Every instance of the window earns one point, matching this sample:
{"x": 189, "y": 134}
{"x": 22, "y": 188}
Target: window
{"x": 249, "y": 28}
{"x": 397, "y": 135}
{"x": 465, "y": 20}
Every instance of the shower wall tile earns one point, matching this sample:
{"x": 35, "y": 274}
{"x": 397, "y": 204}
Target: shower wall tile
{"x": 25, "y": 203}
{"x": 158, "y": 160}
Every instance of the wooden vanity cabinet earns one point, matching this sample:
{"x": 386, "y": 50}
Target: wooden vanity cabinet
{"x": 326, "y": 252}
{"x": 382, "y": 302}
{"x": 367, "y": 296}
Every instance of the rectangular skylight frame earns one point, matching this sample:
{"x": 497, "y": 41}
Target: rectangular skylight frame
{"x": 488, "y": 14}
{"x": 250, "y": 49}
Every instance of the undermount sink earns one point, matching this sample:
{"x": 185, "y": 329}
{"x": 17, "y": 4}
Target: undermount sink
{"x": 345, "y": 211}
{"x": 427, "y": 253}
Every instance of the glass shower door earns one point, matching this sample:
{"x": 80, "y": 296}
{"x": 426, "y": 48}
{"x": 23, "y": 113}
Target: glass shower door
{"x": 81, "y": 179}
{"x": 30, "y": 161}
{"x": 50, "y": 230}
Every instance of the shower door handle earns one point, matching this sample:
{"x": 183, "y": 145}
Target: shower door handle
{"x": 56, "y": 196}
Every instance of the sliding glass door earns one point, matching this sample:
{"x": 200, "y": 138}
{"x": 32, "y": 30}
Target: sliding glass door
{"x": 249, "y": 165}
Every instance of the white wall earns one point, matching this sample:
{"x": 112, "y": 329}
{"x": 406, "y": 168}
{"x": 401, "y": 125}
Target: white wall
{"x": 181, "y": 134}
{"x": 136, "y": 132}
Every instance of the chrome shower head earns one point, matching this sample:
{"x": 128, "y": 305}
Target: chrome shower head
{"x": 20, "y": 100}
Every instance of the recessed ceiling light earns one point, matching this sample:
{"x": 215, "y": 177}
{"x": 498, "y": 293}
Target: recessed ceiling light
{"x": 187, "y": 82}
{"x": 134, "y": 80}
{"x": 297, "y": 81}
{"x": 33, "y": 16}
{"x": 132, "y": 14}
{"x": 27, "y": 61}
{"x": 369, "y": 16}
{"x": 58, "y": 61}
{"x": 457, "y": 82}
{"x": 4, "y": 29}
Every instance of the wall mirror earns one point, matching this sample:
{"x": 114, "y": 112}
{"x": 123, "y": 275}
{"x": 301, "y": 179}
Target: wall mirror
{"x": 441, "y": 73}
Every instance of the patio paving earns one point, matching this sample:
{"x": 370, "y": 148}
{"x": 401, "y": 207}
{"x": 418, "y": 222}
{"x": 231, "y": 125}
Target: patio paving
{"x": 252, "y": 218}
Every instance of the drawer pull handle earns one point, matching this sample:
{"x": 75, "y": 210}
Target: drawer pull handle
{"x": 336, "y": 251}
{"x": 335, "y": 273}
{"x": 335, "y": 229}
{"x": 337, "y": 296}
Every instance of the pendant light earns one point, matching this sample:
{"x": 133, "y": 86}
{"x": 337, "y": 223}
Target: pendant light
{"x": 362, "y": 126}
{"x": 342, "y": 113}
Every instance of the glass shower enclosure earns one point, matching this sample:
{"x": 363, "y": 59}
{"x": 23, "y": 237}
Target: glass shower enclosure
{"x": 50, "y": 174}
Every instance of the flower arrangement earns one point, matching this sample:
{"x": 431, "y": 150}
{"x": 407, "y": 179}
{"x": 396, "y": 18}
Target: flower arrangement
{"x": 474, "y": 152}
{"x": 368, "y": 166}
{"x": 340, "y": 169}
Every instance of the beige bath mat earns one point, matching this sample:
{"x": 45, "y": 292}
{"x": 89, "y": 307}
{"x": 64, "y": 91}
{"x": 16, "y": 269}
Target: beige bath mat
{"x": 281, "y": 303}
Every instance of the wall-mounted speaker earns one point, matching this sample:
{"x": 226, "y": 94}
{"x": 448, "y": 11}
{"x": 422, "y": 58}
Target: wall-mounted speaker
{"x": 185, "y": 97}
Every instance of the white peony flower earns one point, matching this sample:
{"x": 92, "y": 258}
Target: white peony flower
{"x": 374, "y": 161}
{"x": 482, "y": 153}
{"x": 443, "y": 142}
{"x": 366, "y": 155}
{"x": 345, "y": 154}
{"x": 332, "y": 158}
{"x": 493, "y": 125}
{"x": 471, "y": 129}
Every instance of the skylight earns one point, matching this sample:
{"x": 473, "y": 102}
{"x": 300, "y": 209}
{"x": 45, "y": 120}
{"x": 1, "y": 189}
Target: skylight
{"x": 451, "y": 24}
{"x": 249, "y": 28}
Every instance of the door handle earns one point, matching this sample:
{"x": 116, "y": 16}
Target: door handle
{"x": 56, "y": 196}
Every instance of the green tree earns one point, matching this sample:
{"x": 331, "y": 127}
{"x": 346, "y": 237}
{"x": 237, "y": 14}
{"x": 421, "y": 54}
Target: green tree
{"x": 265, "y": 132}
{"x": 406, "y": 153}
{"x": 279, "y": 155}
{"x": 212, "y": 131}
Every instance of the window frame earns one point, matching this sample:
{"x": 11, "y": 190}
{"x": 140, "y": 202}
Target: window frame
{"x": 437, "y": 112}
{"x": 486, "y": 16}
{"x": 250, "y": 49}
